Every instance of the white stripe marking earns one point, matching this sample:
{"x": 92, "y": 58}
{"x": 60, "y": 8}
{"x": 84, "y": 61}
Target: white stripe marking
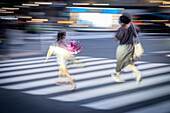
{"x": 52, "y": 81}
{"x": 80, "y": 95}
{"x": 72, "y": 71}
{"x": 34, "y": 58}
{"x": 39, "y": 65}
{"x": 168, "y": 55}
{"x": 53, "y": 68}
{"x": 31, "y": 62}
{"x": 116, "y": 102}
{"x": 51, "y": 74}
{"x": 26, "y": 63}
{"x": 161, "y": 52}
{"x": 106, "y": 90}
{"x": 159, "y": 39}
{"x": 23, "y": 59}
{"x": 162, "y": 107}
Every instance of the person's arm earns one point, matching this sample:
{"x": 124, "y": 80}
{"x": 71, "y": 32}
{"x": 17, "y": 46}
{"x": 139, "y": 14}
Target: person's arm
{"x": 119, "y": 34}
{"x": 115, "y": 39}
{"x": 48, "y": 55}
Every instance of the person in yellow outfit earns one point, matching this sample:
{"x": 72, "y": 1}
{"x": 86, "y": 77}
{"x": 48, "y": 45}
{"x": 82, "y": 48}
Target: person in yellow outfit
{"x": 61, "y": 49}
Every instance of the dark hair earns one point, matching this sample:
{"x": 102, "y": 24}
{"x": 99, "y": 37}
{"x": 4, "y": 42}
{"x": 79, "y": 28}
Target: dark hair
{"x": 60, "y": 35}
{"x": 124, "y": 19}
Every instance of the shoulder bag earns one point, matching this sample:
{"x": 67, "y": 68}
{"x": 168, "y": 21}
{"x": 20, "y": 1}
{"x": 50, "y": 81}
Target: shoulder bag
{"x": 138, "y": 49}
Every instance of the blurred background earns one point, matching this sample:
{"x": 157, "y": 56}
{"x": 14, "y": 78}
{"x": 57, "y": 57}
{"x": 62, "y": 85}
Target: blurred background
{"x": 28, "y": 25}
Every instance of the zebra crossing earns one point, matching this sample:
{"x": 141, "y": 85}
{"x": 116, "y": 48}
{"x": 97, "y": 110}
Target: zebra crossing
{"x": 95, "y": 87}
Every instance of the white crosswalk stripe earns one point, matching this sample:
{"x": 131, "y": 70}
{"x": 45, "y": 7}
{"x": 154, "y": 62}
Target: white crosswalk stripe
{"x": 162, "y": 107}
{"x": 112, "y": 103}
{"x": 40, "y": 59}
{"x": 32, "y": 76}
{"x": 54, "y": 67}
{"x": 52, "y": 74}
{"x": 78, "y": 96}
{"x": 38, "y": 65}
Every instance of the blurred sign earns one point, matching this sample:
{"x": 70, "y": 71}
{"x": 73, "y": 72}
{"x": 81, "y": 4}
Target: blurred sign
{"x": 111, "y": 11}
{"x": 78, "y": 10}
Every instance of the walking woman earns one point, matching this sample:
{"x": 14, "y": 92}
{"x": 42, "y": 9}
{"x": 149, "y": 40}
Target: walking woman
{"x": 64, "y": 51}
{"x": 125, "y": 49}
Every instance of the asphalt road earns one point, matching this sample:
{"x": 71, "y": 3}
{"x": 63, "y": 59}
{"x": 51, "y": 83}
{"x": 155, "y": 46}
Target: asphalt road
{"x": 28, "y": 86}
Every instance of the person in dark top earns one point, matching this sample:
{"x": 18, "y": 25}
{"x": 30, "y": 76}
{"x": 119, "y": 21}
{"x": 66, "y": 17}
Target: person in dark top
{"x": 124, "y": 54}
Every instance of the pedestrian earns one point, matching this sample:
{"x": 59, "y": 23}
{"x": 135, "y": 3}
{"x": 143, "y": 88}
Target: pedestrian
{"x": 64, "y": 51}
{"x": 124, "y": 54}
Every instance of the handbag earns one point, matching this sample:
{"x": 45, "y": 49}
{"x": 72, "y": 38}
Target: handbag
{"x": 138, "y": 49}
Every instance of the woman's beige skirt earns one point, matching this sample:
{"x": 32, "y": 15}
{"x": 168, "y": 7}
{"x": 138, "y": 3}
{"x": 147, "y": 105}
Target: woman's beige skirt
{"x": 124, "y": 55}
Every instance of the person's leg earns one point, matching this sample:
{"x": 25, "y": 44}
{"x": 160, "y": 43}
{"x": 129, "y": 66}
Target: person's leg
{"x": 116, "y": 78}
{"x": 135, "y": 70}
{"x": 60, "y": 74}
{"x": 63, "y": 75}
{"x": 64, "y": 70}
{"x": 117, "y": 74}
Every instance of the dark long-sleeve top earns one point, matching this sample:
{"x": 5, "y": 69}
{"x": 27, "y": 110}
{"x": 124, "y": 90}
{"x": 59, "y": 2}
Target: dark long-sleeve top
{"x": 126, "y": 35}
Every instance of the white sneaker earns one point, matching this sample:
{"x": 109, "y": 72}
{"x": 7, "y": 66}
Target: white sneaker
{"x": 116, "y": 79}
{"x": 73, "y": 87}
{"x": 138, "y": 78}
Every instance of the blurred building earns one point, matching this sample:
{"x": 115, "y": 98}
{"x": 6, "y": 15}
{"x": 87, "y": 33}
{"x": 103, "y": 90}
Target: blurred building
{"x": 84, "y": 14}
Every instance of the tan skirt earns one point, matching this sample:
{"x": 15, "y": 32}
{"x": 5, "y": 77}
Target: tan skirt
{"x": 124, "y": 55}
